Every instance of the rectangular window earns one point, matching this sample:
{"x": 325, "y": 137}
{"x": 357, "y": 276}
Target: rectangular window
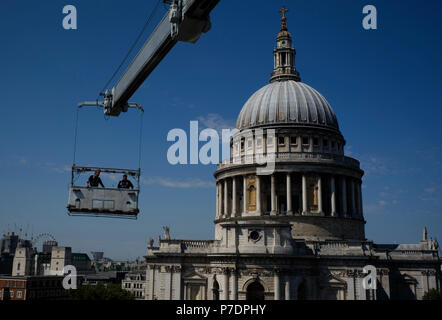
{"x": 259, "y": 142}
{"x": 305, "y": 141}
{"x": 249, "y": 143}
{"x": 281, "y": 141}
{"x": 325, "y": 142}
{"x": 333, "y": 144}
{"x": 293, "y": 141}
{"x": 315, "y": 142}
{"x": 19, "y": 294}
{"x": 270, "y": 140}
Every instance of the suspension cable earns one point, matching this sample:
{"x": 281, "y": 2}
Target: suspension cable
{"x": 133, "y": 45}
{"x": 76, "y": 133}
{"x": 140, "y": 142}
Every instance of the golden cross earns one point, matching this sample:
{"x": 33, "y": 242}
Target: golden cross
{"x": 283, "y": 11}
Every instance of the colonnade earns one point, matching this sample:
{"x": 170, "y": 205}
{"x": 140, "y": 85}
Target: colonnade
{"x": 335, "y": 195}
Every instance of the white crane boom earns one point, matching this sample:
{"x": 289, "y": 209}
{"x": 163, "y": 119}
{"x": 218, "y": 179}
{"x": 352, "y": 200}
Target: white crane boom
{"x": 185, "y": 21}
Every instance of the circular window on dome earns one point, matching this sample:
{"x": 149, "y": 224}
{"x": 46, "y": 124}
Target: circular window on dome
{"x": 254, "y": 235}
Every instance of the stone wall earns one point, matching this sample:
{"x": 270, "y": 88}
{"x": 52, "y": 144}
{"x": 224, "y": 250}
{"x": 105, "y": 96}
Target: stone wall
{"x": 308, "y": 227}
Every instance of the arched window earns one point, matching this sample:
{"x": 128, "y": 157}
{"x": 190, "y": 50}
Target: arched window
{"x": 215, "y": 290}
{"x": 255, "y": 291}
{"x": 302, "y": 291}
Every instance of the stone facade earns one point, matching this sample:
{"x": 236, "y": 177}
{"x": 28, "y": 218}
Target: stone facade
{"x": 135, "y": 283}
{"x": 289, "y": 220}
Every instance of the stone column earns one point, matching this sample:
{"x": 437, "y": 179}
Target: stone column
{"x": 177, "y": 271}
{"x": 168, "y": 277}
{"x": 351, "y": 288}
{"x": 226, "y": 198}
{"x": 320, "y": 210}
{"x": 217, "y": 200}
{"x": 304, "y": 194}
{"x": 152, "y": 282}
{"x": 344, "y": 197}
{"x": 289, "y": 194}
{"x": 384, "y": 279}
{"x": 244, "y": 196}
{"x": 258, "y": 195}
{"x": 360, "y": 213}
{"x": 225, "y": 295}
{"x": 234, "y": 286}
{"x": 352, "y": 199}
{"x": 234, "y": 196}
{"x": 221, "y": 198}
{"x": 333, "y": 196}
{"x": 273, "y": 195}
{"x": 276, "y": 286}
{"x": 287, "y": 288}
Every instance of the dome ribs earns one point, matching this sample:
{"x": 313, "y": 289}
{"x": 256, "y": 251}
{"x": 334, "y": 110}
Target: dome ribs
{"x": 294, "y": 105}
{"x": 312, "y": 107}
{"x": 287, "y": 102}
{"x": 272, "y": 104}
{"x": 319, "y": 106}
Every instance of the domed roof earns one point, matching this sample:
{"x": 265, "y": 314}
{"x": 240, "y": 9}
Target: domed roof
{"x": 287, "y": 102}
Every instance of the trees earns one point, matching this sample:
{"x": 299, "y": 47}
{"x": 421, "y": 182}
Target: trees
{"x": 100, "y": 291}
{"x": 432, "y": 294}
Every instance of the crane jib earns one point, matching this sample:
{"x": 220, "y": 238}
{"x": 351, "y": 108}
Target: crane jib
{"x": 194, "y": 21}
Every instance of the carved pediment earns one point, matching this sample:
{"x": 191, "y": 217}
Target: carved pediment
{"x": 333, "y": 278}
{"x": 192, "y": 275}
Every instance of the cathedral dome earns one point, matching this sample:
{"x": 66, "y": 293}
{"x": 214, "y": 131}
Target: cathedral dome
{"x": 287, "y": 102}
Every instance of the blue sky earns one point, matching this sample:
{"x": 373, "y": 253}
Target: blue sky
{"x": 384, "y": 86}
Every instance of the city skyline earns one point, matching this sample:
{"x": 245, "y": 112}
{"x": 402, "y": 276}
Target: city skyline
{"x": 389, "y": 116}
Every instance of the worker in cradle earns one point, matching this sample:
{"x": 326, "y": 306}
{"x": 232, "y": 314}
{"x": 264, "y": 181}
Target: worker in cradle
{"x": 94, "y": 180}
{"x": 125, "y": 184}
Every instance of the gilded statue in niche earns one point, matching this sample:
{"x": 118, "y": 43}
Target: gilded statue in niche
{"x": 312, "y": 193}
{"x": 251, "y": 194}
